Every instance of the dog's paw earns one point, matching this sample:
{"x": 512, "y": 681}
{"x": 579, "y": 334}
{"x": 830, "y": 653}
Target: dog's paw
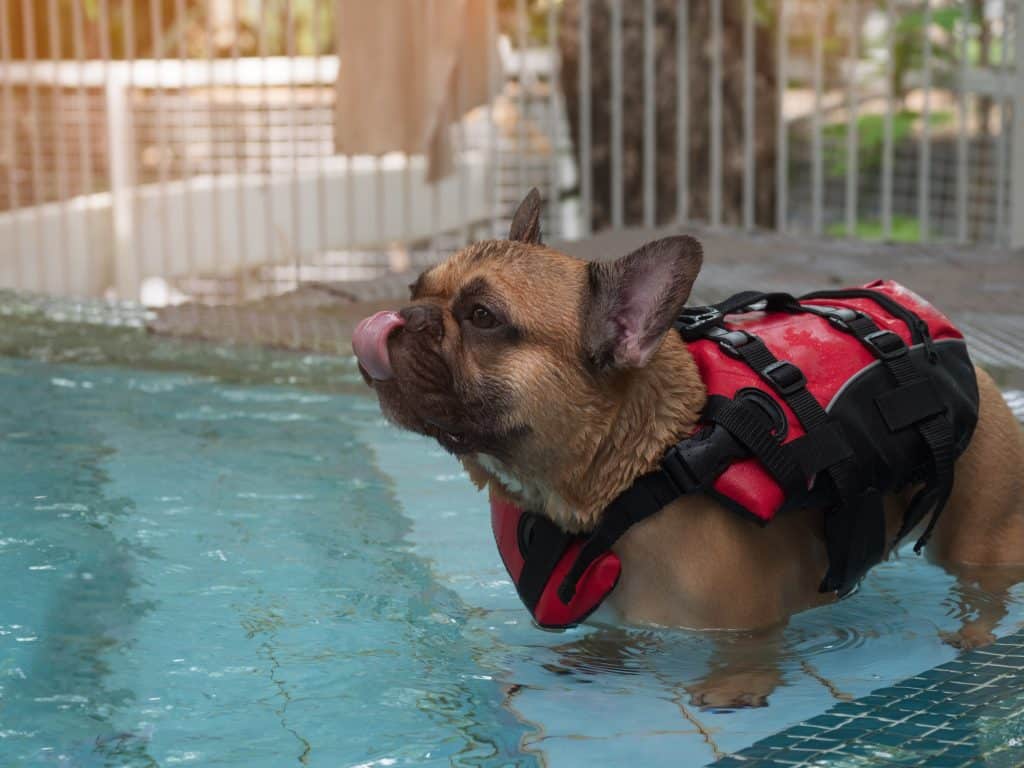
{"x": 728, "y": 700}
{"x": 734, "y": 691}
{"x": 967, "y": 638}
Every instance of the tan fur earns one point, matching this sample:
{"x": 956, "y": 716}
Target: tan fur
{"x": 695, "y": 564}
{"x": 587, "y": 451}
{"x": 983, "y": 524}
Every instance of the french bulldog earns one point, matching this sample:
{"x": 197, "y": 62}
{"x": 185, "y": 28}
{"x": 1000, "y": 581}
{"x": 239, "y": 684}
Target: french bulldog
{"x": 556, "y": 382}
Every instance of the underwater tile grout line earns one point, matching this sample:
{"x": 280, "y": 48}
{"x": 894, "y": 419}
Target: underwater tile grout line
{"x": 939, "y": 715}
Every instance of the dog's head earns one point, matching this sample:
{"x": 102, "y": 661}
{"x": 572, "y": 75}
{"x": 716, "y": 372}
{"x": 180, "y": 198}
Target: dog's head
{"x": 514, "y": 355}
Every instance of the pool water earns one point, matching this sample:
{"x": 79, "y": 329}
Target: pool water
{"x": 201, "y": 573}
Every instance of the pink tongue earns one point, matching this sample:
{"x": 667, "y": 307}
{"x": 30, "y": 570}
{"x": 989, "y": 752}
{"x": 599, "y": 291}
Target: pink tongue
{"x": 370, "y": 343}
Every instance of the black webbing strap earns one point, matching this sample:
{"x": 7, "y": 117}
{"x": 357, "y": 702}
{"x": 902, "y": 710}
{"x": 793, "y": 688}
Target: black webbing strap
{"x": 786, "y": 379}
{"x": 747, "y": 423}
{"x": 926, "y": 414}
{"x": 738, "y": 429}
{"x": 820, "y": 449}
{"x": 919, "y": 331}
{"x": 855, "y": 528}
{"x": 910, "y": 403}
{"x": 694, "y": 321}
{"x": 546, "y": 542}
{"x": 647, "y": 495}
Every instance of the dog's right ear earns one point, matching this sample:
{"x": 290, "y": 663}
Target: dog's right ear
{"x": 526, "y": 220}
{"x": 634, "y": 300}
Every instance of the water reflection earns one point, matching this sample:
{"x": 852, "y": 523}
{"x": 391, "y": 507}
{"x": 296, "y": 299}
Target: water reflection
{"x": 73, "y": 609}
{"x": 201, "y": 576}
{"x": 236, "y": 587}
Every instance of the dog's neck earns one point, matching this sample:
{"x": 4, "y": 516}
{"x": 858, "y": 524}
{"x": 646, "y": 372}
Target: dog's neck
{"x": 659, "y": 406}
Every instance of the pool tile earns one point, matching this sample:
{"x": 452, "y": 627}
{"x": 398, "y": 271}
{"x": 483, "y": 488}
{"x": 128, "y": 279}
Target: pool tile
{"x": 933, "y": 720}
{"x": 873, "y": 700}
{"x": 778, "y": 741}
{"x": 930, "y": 719}
{"x": 945, "y": 761}
{"x": 817, "y": 744}
{"x": 829, "y": 720}
{"x": 733, "y": 762}
{"x": 963, "y": 751}
{"x": 891, "y": 712}
{"x": 866, "y": 724}
{"x": 803, "y": 730}
{"x": 887, "y": 739}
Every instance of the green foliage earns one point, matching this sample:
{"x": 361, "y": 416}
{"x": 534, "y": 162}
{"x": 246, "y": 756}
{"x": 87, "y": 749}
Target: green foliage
{"x": 908, "y": 41}
{"x": 871, "y": 138}
{"x": 904, "y": 230}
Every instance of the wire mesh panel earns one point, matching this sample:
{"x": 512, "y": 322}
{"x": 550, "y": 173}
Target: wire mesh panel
{"x": 174, "y": 149}
{"x": 171, "y": 149}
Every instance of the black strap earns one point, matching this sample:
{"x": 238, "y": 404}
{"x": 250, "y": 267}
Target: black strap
{"x": 919, "y": 331}
{"x": 737, "y": 429}
{"x": 541, "y": 543}
{"x": 938, "y": 436}
{"x": 693, "y": 464}
{"x": 914, "y": 401}
{"x": 820, "y": 449}
{"x": 786, "y": 379}
{"x": 647, "y": 495}
{"x": 908, "y": 404}
{"x": 694, "y": 321}
{"x": 855, "y": 526}
{"x": 746, "y": 423}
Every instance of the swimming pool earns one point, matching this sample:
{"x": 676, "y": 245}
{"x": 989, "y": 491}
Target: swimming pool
{"x": 203, "y": 573}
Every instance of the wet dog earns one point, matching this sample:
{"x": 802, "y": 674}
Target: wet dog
{"x": 557, "y": 382}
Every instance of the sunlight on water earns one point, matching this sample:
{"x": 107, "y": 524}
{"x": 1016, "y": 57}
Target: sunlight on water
{"x": 206, "y": 574}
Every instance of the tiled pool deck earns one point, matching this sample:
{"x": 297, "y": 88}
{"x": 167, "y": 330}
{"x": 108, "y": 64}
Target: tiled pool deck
{"x": 966, "y": 713}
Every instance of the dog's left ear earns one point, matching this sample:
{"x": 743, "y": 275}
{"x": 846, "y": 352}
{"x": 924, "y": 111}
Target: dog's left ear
{"x": 634, "y": 300}
{"x": 526, "y": 220}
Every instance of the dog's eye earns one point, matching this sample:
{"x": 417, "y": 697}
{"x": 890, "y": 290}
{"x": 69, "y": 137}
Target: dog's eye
{"x": 482, "y": 317}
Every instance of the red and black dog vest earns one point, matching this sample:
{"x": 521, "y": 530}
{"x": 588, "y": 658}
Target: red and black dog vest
{"x": 826, "y": 401}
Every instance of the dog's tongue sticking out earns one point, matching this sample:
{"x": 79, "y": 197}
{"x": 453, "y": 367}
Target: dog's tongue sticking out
{"x": 370, "y": 343}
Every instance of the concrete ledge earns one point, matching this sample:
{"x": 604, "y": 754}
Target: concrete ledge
{"x": 983, "y": 287}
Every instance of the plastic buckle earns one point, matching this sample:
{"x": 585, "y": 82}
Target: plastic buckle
{"x": 695, "y": 319}
{"x": 730, "y": 341}
{"x": 678, "y": 471}
{"x": 886, "y": 344}
{"x": 784, "y": 377}
{"x": 841, "y": 317}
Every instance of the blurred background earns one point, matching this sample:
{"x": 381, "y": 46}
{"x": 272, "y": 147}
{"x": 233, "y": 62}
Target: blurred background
{"x": 230, "y": 153}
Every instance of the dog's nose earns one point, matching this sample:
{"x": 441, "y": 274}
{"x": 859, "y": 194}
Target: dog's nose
{"x": 421, "y": 318}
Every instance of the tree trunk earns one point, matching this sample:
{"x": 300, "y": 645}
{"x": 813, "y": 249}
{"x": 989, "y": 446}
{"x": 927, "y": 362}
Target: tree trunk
{"x": 700, "y": 57}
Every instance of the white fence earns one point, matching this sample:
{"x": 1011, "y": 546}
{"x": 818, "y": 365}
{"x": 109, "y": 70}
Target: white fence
{"x": 280, "y": 197}
{"x": 213, "y": 175}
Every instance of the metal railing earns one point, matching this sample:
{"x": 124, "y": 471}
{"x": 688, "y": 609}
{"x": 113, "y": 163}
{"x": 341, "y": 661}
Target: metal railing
{"x": 172, "y": 150}
{"x": 819, "y": 115}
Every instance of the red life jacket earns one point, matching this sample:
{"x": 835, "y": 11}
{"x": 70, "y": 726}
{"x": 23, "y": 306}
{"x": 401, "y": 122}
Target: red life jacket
{"x": 830, "y": 401}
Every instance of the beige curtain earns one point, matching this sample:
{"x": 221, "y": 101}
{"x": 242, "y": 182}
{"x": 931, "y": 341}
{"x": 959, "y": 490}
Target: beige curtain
{"x": 408, "y": 69}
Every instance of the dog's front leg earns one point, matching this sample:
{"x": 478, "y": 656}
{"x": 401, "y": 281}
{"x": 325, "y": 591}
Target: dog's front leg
{"x": 745, "y": 668}
{"x": 980, "y": 596}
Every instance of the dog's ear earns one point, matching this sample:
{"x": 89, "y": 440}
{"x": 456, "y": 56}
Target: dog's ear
{"x": 526, "y": 220}
{"x": 633, "y": 301}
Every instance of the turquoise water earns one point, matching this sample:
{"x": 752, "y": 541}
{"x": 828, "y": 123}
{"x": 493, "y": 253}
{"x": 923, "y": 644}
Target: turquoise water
{"x": 199, "y": 573}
